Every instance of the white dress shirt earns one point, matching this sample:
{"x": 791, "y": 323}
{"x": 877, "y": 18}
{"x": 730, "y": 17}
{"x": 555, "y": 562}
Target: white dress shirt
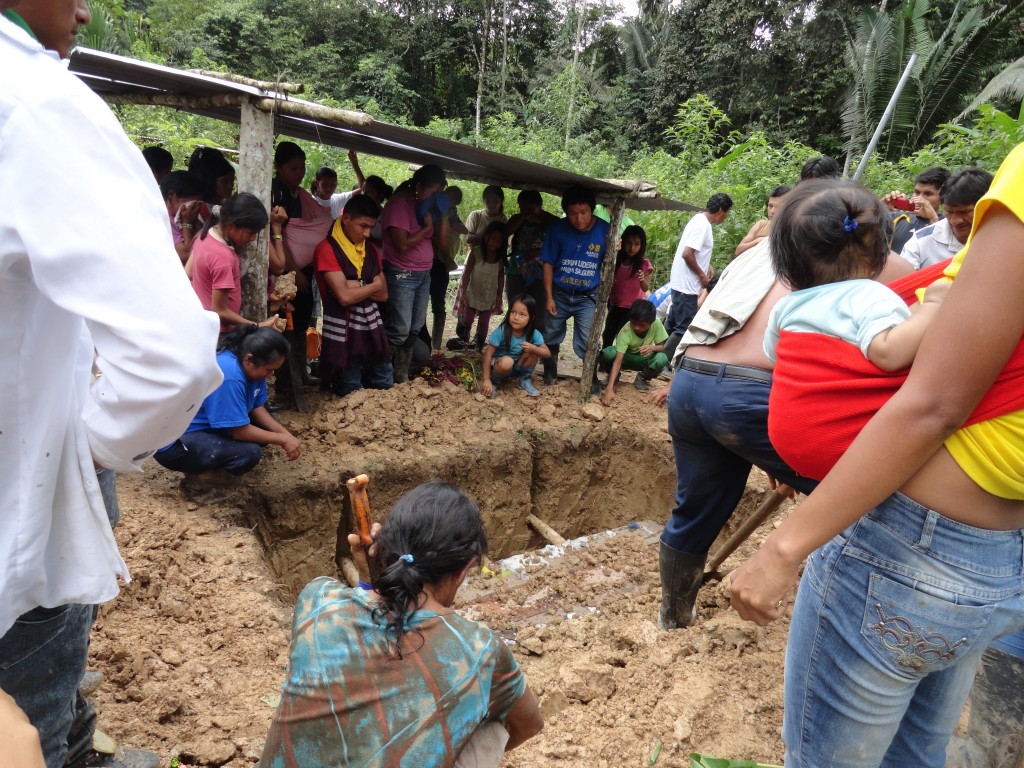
{"x": 94, "y": 279}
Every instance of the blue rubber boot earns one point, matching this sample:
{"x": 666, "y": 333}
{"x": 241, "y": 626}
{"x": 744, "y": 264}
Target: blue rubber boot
{"x": 526, "y": 382}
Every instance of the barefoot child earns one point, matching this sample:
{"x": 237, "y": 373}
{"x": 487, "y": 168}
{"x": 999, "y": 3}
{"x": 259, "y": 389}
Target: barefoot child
{"x": 639, "y": 346}
{"x": 514, "y": 348}
{"x": 485, "y": 280}
{"x": 840, "y": 334}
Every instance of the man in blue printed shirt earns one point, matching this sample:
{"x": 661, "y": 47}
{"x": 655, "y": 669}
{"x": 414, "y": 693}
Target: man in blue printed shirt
{"x": 571, "y": 258}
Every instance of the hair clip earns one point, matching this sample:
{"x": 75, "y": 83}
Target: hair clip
{"x": 849, "y": 224}
{"x": 407, "y": 558}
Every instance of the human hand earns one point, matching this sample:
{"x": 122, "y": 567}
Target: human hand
{"x": 486, "y": 387}
{"x": 352, "y": 156}
{"x": 552, "y": 309}
{"x": 658, "y": 396}
{"x": 360, "y": 554}
{"x": 936, "y": 292}
{"x": 278, "y": 217}
{"x": 270, "y": 322}
{"x": 889, "y": 198}
{"x": 292, "y": 447}
{"x": 787, "y": 491}
{"x": 646, "y": 349}
{"x": 428, "y": 228}
{"x": 924, "y": 209}
{"x": 18, "y": 735}
{"x": 761, "y": 586}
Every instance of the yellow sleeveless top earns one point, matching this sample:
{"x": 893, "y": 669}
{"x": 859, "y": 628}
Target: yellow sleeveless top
{"x": 991, "y": 452}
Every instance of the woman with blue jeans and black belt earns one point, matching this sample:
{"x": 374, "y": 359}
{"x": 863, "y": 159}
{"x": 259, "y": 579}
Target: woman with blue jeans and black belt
{"x": 915, "y": 540}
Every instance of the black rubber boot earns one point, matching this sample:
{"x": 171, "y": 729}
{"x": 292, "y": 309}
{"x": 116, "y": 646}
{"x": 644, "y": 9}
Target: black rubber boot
{"x": 681, "y": 578}
{"x": 402, "y": 361}
{"x": 437, "y": 336}
{"x": 551, "y": 365}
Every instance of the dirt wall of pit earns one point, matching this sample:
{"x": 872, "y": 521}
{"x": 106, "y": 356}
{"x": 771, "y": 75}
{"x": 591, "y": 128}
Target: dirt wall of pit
{"x": 581, "y": 479}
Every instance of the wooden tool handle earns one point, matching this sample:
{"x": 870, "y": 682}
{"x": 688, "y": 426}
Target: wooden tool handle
{"x": 361, "y": 507}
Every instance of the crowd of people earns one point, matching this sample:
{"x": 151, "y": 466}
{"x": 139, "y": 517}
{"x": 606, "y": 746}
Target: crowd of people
{"x": 867, "y": 352}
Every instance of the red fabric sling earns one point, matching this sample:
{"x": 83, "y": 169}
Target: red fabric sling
{"x": 824, "y": 390}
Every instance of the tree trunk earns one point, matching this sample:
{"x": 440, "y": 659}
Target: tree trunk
{"x": 256, "y": 161}
{"x": 575, "y": 68}
{"x": 604, "y": 290}
{"x": 504, "y": 51}
{"x": 482, "y": 68}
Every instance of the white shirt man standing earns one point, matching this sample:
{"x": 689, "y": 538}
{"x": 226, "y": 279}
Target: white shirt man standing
{"x": 691, "y": 267}
{"x": 96, "y": 282}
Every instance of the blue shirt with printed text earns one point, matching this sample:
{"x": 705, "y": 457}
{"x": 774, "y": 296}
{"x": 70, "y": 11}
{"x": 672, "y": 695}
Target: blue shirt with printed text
{"x": 575, "y": 256}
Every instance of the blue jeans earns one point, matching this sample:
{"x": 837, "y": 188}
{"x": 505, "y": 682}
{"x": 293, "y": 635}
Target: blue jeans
{"x": 204, "y": 451}
{"x": 890, "y": 622}
{"x": 578, "y": 306}
{"x": 681, "y": 313}
{"x": 719, "y": 428}
{"x": 43, "y": 658}
{"x": 356, "y": 376}
{"x": 408, "y": 294}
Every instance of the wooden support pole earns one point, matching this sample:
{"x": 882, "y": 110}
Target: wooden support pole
{"x": 604, "y": 290}
{"x": 256, "y": 156}
{"x": 751, "y": 524}
{"x": 177, "y": 101}
{"x": 544, "y": 530}
{"x": 314, "y": 111}
{"x": 261, "y": 84}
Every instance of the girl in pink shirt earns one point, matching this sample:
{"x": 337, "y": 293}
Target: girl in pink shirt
{"x": 632, "y": 269}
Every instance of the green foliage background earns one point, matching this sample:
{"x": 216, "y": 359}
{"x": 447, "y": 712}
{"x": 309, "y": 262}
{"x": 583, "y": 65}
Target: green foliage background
{"x": 697, "y": 96}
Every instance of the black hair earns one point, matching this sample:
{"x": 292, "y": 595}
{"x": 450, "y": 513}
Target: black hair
{"x": 425, "y": 176}
{"x": 632, "y": 231}
{"x": 829, "y": 231}
{"x": 493, "y": 189}
{"x": 324, "y": 172}
{"x": 454, "y": 194}
{"x": 643, "y": 311}
{"x": 361, "y": 205}
{"x": 244, "y": 210}
{"x": 182, "y": 184}
{"x": 966, "y": 187}
{"x": 383, "y": 188}
{"x": 530, "y": 196}
{"x": 576, "y": 195}
{"x": 158, "y": 159}
{"x": 285, "y": 151}
{"x": 432, "y": 532}
{"x": 935, "y": 177}
{"x": 718, "y": 202}
{"x": 823, "y": 167}
{"x": 780, "y": 191}
{"x": 265, "y": 345}
{"x": 531, "y": 310}
{"x": 499, "y": 227}
{"x": 208, "y": 165}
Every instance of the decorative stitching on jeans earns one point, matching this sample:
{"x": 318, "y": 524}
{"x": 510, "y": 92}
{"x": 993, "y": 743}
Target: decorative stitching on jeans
{"x": 913, "y": 648}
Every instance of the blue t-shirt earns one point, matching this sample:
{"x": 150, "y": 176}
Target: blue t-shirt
{"x": 515, "y": 348}
{"x": 230, "y": 404}
{"x": 574, "y": 255}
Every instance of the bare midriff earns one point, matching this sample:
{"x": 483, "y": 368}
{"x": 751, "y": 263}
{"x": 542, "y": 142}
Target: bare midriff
{"x": 746, "y": 346}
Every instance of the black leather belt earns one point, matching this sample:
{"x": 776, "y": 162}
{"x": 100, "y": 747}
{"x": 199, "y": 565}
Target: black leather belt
{"x": 725, "y": 369}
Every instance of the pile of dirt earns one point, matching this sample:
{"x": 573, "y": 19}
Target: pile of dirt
{"x": 194, "y": 649}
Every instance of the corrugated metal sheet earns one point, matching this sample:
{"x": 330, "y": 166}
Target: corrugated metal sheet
{"x": 117, "y": 76}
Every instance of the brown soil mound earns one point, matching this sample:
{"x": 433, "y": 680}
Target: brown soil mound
{"x": 194, "y": 649}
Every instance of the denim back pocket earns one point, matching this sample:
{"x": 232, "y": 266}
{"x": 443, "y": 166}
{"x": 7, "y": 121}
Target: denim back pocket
{"x": 31, "y": 633}
{"x": 914, "y": 633}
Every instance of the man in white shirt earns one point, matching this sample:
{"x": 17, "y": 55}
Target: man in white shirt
{"x": 691, "y": 267}
{"x": 943, "y": 239}
{"x": 95, "y": 283}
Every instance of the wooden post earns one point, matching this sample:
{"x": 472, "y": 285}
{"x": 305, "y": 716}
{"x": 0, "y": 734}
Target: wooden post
{"x": 255, "y": 170}
{"x": 604, "y": 290}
